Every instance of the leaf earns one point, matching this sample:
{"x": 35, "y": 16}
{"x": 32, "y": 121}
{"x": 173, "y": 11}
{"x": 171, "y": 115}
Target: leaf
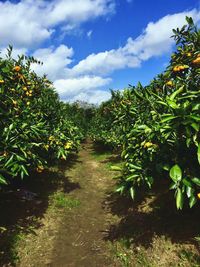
{"x": 195, "y": 126}
{"x": 120, "y": 189}
{"x": 132, "y": 192}
{"x": 24, "y": 169}
{"x": 166, "y": 167}
{"x": 9, "y": 161}
{"x": 131, "y": 177}
{"x": 177, "y": 92}
{"x": 149, "y": 180}
{"x": 187, "y": 182}
{"x": 192, "y": 201}
{"x": 162, "y": 103}
{"x": 168, "y": 118}
{"x": 194, "y": 117}
{"x": 123, "y": 153}
{"x": 196, "y": 181}
{"x": 175, "y": 173}
{"x": 172, "y": 186}
{"x": 198, "y": 153}
{"x": 2, "y": 180}
{"x": 189, "y": 191}
{"x": 172, "y": 104}
{"x": 5, "y": 70}
{"x": 135, "y": 167}
{"x": 189, "y": 21}
{"x": 179, "y": 199}
{"x": 116, "y": 168}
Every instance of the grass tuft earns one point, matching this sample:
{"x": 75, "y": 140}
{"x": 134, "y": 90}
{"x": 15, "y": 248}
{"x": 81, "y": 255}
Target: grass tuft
{"x": 61, "y": 200}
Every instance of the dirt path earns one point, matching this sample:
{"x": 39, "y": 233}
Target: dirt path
{"x": 77, "y": 221}
{"x": 76, "y": 237}
{"x": 81, "y": 223}
{"x": 80, "y": 237}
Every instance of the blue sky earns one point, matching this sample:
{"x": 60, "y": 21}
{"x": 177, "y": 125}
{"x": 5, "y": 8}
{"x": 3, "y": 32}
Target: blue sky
{"x": 89, "y": 46}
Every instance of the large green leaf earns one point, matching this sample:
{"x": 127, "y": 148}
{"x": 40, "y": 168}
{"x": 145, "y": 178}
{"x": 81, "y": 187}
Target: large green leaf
{"x": 175, "y": 173}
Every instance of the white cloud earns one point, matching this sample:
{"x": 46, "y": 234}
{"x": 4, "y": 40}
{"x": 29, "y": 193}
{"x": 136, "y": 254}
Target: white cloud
{"x": 21, "y": 25}
{"x": 78, "y": 11}
{"x": 92, "y": 97}
{"x": 154, "y": 41}
{"x": 30, "y": 22}
{"x": 55, "y": 61}
{"x": 90, "y": 74}
{"x": 70, "y": 87}
{"x": 105, "y": 62}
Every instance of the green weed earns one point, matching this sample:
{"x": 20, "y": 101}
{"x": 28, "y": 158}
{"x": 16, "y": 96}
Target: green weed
{"x": 61, "y": 200}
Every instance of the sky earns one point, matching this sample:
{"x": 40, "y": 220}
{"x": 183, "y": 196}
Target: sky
{"x": 91, "y": 46}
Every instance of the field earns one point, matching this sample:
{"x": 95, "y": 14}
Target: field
{"x": 111, "y": 185}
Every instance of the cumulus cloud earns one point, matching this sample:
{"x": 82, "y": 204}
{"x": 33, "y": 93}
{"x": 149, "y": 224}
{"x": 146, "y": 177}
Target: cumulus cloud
{"x": 154, "y": 41}
{"x": 70, "y": 87}
{"x": 28, "y": 23}
{"x": 91, "y": 73}
{"x": 55, "y": 61}
{"x": 106, "y": 62}
{"x": 21, "y": 25}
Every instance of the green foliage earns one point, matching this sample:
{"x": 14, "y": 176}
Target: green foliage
{"x": 157, "y": 126}
{"x": 35, "y": 126}
{"x": 103, "y": 128}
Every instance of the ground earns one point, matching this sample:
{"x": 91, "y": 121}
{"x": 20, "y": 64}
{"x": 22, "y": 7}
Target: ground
{"x": 76, "y": 220}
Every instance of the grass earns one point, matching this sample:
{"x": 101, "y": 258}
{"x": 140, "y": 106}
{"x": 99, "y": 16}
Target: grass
{"x": 162, "y": 250}
{"x": 121, "y": 252}
{"x": 189, "y": 257}
{"x": 13, "y": 238}
{"x": 61, "y": 200}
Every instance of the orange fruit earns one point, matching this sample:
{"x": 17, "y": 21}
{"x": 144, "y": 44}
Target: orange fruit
{"x": 196, "y": 61}
{"x": 17, "y": 68}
